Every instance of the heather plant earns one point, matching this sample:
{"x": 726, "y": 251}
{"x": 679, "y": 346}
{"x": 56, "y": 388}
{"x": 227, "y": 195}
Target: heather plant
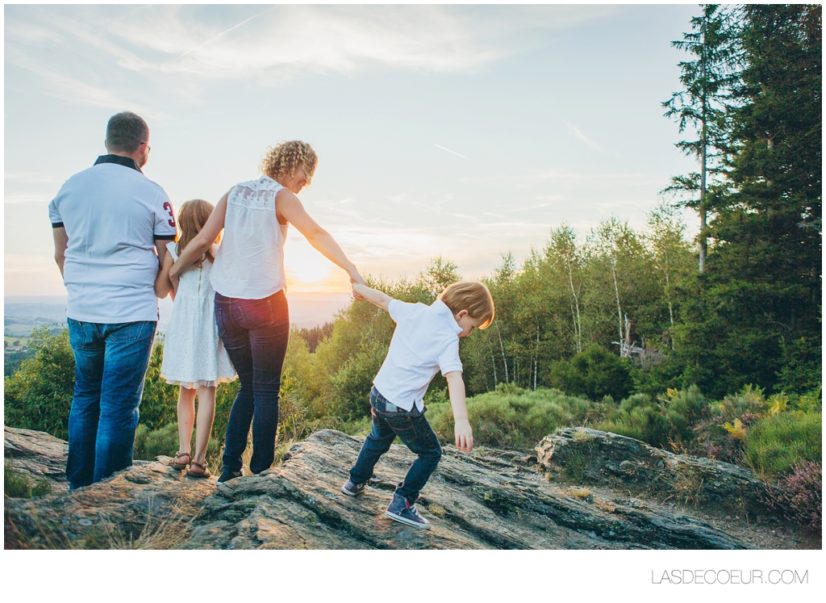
{"x": 799, "y": 495}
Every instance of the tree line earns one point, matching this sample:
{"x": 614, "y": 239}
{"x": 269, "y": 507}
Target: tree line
{"x": 619, "y": 312}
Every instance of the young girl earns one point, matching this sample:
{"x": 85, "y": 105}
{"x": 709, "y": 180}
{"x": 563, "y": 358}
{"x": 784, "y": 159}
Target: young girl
{"x": 194, "y": 357}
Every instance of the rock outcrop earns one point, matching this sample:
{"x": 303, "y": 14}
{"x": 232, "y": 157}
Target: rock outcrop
{"x": 608, "y": 459}
{"x": 489, "y": 499}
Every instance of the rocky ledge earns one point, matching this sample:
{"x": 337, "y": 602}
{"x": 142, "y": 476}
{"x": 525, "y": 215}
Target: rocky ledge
{"x": 490, "y": 499}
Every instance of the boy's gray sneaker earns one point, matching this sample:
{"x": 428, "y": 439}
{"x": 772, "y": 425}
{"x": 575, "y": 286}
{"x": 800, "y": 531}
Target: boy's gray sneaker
{"x": 353, "y": 489}
{"x": 402, "y": 511}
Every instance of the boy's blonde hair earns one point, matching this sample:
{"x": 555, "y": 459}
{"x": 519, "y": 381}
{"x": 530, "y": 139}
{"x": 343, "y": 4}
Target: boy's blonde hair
{"x": 473, "y": 297}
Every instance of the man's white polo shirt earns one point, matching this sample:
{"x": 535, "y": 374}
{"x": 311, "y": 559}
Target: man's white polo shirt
{"x": 426, "y": 340}
{"x": 112, "y": 215}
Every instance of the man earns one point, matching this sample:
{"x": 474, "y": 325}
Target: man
{"x": 109, "y": 223}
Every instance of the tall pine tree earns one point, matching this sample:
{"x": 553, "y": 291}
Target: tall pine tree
{"x": 702, "y": 106}
{"x": 757, "y": 315}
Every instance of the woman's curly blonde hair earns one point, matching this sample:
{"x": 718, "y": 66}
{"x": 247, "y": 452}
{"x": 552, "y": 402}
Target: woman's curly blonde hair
{"x": 283, "y": 159}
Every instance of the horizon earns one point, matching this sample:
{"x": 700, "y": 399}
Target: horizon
{"x": 467, "y": 139}
{"x": 308, "y": 309}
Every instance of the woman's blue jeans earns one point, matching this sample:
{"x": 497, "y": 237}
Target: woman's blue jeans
{"x": 255, "y": 333}
{"x": 110, "y": 366}
{"x": 413, "y": 429}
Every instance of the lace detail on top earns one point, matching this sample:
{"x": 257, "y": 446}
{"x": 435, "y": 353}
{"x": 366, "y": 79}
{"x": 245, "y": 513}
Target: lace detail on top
{"x": 255, "y": 194}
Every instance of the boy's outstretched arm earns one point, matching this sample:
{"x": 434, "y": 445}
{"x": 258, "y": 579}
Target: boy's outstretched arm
{"x": 462, "y": 430}
{"x": 374, "y": 296}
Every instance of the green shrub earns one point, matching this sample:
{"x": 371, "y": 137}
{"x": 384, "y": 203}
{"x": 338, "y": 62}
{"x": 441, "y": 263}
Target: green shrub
{"x": 593, "y": 373}
{"x": 775, "y": 444}
{"x": 159, "y": 401}
{"x": 749, "y": 402}
{"x": 38, "y": 396}
{"x": 18, "y": 485}
{"x": 666, "y": 422}
{"x": 164, "y": 442}
{"x": 809, "y": 402}
{"x": 352, "y": 382}
{"x": 518, "y": 419}
{"x": 641, "y": 418}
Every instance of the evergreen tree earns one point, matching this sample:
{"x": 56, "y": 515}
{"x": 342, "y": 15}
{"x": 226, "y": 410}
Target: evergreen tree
{"x": 756, "y": 314}
{"x": 702, "y": 105}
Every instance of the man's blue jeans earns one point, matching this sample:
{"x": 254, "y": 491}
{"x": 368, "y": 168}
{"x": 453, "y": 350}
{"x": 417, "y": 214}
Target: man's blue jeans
{"x": 413, "y": 429}
{"x": 110, "y": 366}
{"x": 255, "y": 333}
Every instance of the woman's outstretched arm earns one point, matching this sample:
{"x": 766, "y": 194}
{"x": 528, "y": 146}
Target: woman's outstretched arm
{"x": 202, "y": 241}
{"x": 289, "y": 207}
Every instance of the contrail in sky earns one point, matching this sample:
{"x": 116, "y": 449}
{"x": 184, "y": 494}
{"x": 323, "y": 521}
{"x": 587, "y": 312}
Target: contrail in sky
{"x": 582, "y": 137}
{"x": 451, "y": 151}
{"x": 218, "y": 35}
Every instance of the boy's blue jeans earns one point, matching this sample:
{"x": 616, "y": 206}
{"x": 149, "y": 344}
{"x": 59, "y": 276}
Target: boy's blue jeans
{"x": 255, "y": 333}
{"x": 110, "y": 366}
{"x": 413, "y": 429}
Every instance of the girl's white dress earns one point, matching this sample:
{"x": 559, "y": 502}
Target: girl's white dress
{"x": 193, "y": 354}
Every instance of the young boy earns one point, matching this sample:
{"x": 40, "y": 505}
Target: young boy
{"x": 426, "y": 340}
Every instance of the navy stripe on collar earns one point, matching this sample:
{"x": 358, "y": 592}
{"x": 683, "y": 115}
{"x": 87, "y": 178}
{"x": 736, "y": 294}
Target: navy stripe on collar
{"x": 124, "y": 161}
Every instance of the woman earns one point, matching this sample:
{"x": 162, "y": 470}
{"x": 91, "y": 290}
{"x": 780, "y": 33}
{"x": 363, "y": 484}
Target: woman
{"x": 248, "y": 278}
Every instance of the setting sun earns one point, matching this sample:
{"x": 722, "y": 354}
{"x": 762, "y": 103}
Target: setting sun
{"x": 309, "y": 271}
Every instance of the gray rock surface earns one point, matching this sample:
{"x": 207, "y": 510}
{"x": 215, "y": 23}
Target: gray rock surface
{"x": 607, "y": 459}
{"x": 491, "y": 499}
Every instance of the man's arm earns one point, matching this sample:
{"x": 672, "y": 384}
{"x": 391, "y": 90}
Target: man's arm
{"x": 61, "y": 241}
{"x": 374, "y": 296}
{"x": 163, "y": 286}
{"x": 160, "y": 248}
{"x": 462, "y": 430}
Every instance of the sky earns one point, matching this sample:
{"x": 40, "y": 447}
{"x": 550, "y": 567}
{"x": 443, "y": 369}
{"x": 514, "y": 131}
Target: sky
{"x": 460, "y": 131}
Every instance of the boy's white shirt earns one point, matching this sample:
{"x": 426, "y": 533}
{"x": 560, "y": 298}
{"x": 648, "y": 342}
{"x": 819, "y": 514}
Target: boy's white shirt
{"x": 426, "y": 340}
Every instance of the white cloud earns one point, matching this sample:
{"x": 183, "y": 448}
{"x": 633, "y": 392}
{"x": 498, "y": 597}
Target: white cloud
{"x": 73, "y": 90}
{"x": 283, "y": 41}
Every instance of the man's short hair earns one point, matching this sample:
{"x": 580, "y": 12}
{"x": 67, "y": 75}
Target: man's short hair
{"x": 125, "y": 132}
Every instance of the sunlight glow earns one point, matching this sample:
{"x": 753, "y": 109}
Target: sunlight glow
{"x": 309, "y": 271}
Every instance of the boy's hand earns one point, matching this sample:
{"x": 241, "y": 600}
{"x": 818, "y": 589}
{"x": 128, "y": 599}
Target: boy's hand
{"x": 358, "y": 296}
{"x": 464, "y": 435}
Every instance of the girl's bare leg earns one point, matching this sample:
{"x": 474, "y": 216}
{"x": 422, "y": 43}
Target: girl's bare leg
{"x": 206, "y": 415}
{"x": 186, "y": 418}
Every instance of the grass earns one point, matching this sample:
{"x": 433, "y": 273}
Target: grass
{"x": 18, "y": 485}
{"x": 775, "y": 444}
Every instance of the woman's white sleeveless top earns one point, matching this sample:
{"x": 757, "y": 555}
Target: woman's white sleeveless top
{"x": 250, "y": 261}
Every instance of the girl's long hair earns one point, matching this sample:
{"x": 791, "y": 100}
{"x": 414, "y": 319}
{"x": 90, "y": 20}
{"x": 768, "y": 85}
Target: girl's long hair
{"x": 191, "y": 219}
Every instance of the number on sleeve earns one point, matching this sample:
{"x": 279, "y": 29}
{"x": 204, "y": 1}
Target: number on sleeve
{"x": 168, "y": 207}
